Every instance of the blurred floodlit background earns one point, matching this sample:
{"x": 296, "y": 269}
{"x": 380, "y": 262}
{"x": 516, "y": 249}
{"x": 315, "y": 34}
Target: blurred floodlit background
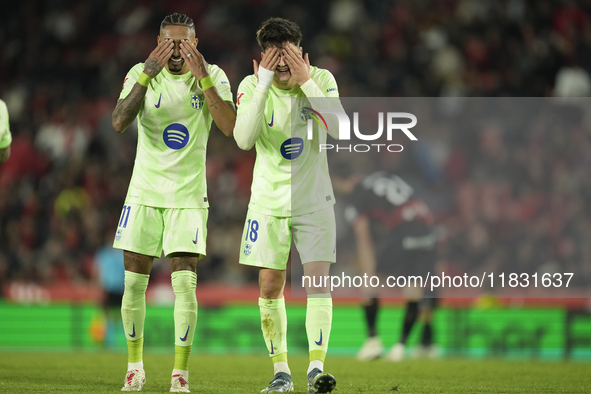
{"x": 61, "y": 192}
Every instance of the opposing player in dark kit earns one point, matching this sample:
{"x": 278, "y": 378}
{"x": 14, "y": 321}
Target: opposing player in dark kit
{"x": 395, "y": 236}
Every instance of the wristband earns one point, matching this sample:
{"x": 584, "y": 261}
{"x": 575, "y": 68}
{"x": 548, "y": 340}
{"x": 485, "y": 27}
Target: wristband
{"x": 265, "y": 77}
{"x": 206, "y": 83}
{"x": 144, "y": 79}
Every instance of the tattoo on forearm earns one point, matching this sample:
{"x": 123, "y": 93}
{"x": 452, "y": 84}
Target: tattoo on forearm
{"x": 127, "y": 110}
{"x": 223, "y": 118}
{"x": 151, "y": 67}
{"x": 211, "y": 99}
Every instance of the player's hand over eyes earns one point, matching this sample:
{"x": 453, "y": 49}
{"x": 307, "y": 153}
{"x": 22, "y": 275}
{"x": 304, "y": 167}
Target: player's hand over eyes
{"x": 194, "y": 59}
{"x": 298, "y": 67}
{"x": 269, "y": 61}
{"x": 158, "y": 58}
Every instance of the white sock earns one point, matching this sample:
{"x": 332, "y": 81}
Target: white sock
{"x": 131, "y": 366}
{"x": 315, "y": 364}
{"x": 185, "y": 374}
{"x": 281, "y": 367}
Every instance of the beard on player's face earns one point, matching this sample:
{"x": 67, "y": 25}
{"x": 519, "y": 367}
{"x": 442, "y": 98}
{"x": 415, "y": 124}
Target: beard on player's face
{"x": 175, "y": 63}
{"x": 178, "y": 34}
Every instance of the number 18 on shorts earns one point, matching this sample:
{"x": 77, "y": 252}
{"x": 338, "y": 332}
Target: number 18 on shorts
{"x": 266, "y": 240}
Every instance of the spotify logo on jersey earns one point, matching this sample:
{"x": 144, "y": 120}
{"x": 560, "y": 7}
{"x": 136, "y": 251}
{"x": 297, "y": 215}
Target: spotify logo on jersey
{"x": 176, "y": 136}
{"x": 292, "y": 148}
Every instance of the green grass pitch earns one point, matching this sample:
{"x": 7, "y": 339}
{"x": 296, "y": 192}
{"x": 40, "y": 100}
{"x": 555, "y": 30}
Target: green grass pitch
{"x": 104, "y": 373}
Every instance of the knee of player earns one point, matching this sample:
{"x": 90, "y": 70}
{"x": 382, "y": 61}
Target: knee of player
{"x": 271, "y": 290}
{"x": 271, "y": 287}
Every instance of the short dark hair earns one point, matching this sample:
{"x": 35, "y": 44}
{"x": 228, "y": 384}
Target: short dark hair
{"x": 177, "y": 19}
{"x": 276, "y": 31}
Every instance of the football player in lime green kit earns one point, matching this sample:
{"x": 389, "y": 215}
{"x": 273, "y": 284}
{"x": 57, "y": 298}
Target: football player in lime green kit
{"x": 264, "y": 119}
{"x": 5, "y": 136}
{"x": 175, "y": 96}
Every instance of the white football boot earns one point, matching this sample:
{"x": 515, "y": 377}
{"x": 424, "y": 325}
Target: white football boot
{"x": 179, "y": 384}
{"x": 371, "y": 349}
{"x": 134, "y": 380}
{"x": 396, "y": 353}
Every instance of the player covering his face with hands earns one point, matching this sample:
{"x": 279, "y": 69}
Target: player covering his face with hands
{"x": 281, "y": 208}
{"x": 175, "y": 96}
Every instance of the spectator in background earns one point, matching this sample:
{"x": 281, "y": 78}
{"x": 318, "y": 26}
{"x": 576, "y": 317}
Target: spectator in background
{"x": 572, "y": 81}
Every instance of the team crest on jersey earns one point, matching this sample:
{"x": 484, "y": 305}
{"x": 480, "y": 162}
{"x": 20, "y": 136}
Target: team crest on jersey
{"x": 119, "y": 233}
{"x": 196, "y": 101}
{"x": 248, "y": 250}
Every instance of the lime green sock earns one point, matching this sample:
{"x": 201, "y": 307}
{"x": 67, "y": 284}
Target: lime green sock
{"x": 274, "y": 325}
{"x": 133, "y": 313}
{"x": 280, "y": 358}
{"x": 181, "y": 357}
{"x": 184, "y": 284}
{"x": 318, "y": 324}
{"x": 280, "y": 364}
{"x": 135, "y": 351}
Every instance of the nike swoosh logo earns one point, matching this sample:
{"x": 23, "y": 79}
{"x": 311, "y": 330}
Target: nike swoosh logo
{"x": 159, "y": 98}
{"x": 133, "y": 335}
{"x": 272, "y": 350}
{"x": 272, "y": 116}
{"x": 196, "y": 237}
{"x": 187, "y": 333}
{"x": 320, "y": 341}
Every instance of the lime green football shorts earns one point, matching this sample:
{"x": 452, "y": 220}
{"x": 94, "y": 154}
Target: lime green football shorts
{"x": 149, "y": 231}
{"x": 266, "y": 240}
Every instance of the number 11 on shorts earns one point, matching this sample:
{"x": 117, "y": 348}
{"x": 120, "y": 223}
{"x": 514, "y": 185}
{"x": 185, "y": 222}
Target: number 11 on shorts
{"x": 252, "y": 226}
{"x": 125, "y": 216}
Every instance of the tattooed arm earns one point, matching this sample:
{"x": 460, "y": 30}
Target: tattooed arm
{"x": 223, "y": 112}
{"x": 128, "y": 108}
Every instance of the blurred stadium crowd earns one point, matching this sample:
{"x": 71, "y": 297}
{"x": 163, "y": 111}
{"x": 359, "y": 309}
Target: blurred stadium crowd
{"x": 505, "y": 198}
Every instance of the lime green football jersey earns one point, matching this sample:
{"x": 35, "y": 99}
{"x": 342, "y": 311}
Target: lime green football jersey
{"x": 289, "y": 179}
{"x": 5, "y": 136}
{"x": 173, "y": 129}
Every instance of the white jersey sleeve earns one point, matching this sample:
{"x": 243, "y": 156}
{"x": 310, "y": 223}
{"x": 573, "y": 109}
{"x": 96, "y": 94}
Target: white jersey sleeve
{"x": 252, "y": 99}
{"x": 324, "y": 85}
